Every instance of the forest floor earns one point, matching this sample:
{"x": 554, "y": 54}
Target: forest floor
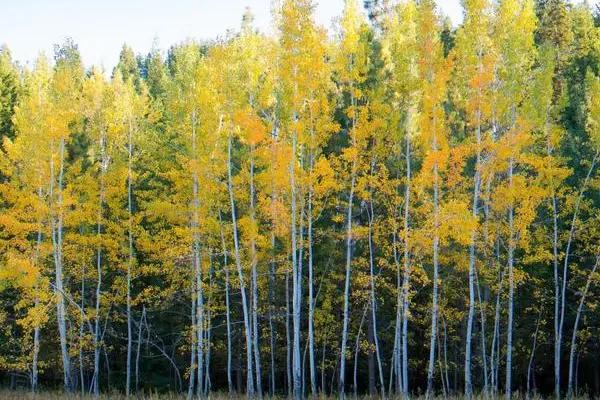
{"x": 22, "y": 395}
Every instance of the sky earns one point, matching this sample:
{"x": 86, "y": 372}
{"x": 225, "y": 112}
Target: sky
{"x": 101, "y": 27}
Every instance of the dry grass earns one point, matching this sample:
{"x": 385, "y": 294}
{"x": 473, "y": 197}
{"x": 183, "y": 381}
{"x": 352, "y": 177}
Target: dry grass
{"x": 22, "y": 395}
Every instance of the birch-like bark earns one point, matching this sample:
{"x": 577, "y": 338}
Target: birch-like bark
{"x": 372, "y": 292}
{"x": 253, "y": 262}
{"x": 495, "y": 353}
{"x": 272, "y": 387}
{"x": 227, "y": 307}
{"x": 139, "y": 350}
{"x": 511, "y": 288}
{"x": 288, "y": 339}
{"x": 57, "y": 239}
{"x": 323, "y": 373}
{"x": 483, "y": 342}
{"x": 357, "y": 349}
{"x": 397, "y": 352}
{"x": 208, "y": 330}
{"x": 407, "y": 266}
{"x": 311, "y": 300}
{"x": 555, "y": 259}
{"x": 434, "y": 305}
{"x": 80, "y": 344}
{"x": 192, "y": 377}
{"x": 36, "y": 329}
{"x": 97, "y": 344}
{"x": 349, "y": 238}
{"x": 563, "y": 296}
{"x": 445, "y": 376}
{"x": 557, "y": 289}
{"x": 131, "y": 258}
{"x": 472, "y": 256}
{"x": 442, "y": 366}
{"x": 300, "y": 241}
{"x": 573, "y": 349}
{"x": 347, "y": 284}
{"x": 238, "y": 262}
{"x": 36, "y": 352}
{"x": 199, "y": 328}
{"x": 296, "y": 279}
{"x": 532, "y": 355}
{"x": 272, "y": 268}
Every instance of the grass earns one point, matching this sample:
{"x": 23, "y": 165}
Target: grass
{"x": 24, "y": 395}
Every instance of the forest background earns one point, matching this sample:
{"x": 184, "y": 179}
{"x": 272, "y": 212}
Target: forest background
{"x": 396, "y": 206}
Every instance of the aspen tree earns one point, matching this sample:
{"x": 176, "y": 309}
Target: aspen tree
{"x": 64, "y": 92}
{"x": 253, "y": 100}
{"x": 400, "y": 50}
{"x": 25, "y": 190}
{"x": 127, "y": 123}
{"x": 96, "y": 99}
{"x": 593, "y": 128}
{"x": 351, "y": 68}
{"x": 555, "y": 33}
{"x": 187, "y": 97}
{"x": 433, "y": 71}
{"x": 474, "y": 65}
{"x": 228, "y": 75}
{"x": 514, "y": 27}
{"x": 300, "y": 42}
{"x": 317, "y": 177}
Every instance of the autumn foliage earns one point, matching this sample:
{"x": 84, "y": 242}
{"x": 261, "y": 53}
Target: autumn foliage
{"x": 395, "y": 206}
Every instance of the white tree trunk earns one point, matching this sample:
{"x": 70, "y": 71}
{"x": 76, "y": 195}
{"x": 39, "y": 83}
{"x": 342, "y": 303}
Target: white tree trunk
{"x": 357, "y": 349}
{"x": 311, "y": 299}
{"x": 271, "y": 326}
{"x": 372, "y": 292}
{"x": 557, "y": 289}
{"x": 563, "y": 298}
{"x": 192, "y": 378}
{"x": 131, "y": 259}
{"x": 227, "y": 307}
{"x": 296, "y": 281}
{"x": 406, "y": 269}
{"x": 36, "y": 352}
{"x": 197, "y": 263}
{"x": 347, "y": 284}
{"x": 472, "y": 258}
{"x": 483, "y": 341}
{"x": 36, "y": 329}
{"x": 103, "y": 168}
{"x": 208, "y": 330}
{"x": 494, "y": 351}
{"x": 238, "y": 262}
{"x": 80, "y": 339}
{"x": 532, "y": 355}
{"x": 434, "y": 305}
{"x": 57, "y": 238}
{"x": 272, "y": 269}
{"x": 253, "y": 262}
{"x": 511, "y": 289}
{"x": 576, "y": 327}
{"x": 349, "y": 239}
{"x": 139, "y": 349}
{"x": 396, "y": 361}
{"x": 288, "y": 339}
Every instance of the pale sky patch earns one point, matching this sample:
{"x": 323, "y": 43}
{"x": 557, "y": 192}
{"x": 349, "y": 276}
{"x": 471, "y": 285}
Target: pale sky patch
{"x": 100, "y": 27}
